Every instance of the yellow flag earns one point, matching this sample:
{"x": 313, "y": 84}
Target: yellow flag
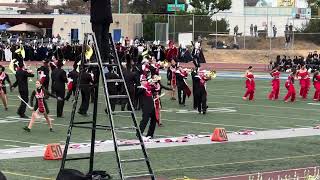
{"x": 89, "y": 53}
{"x": 23, "y": 53}
{"x": 11, "y": 66}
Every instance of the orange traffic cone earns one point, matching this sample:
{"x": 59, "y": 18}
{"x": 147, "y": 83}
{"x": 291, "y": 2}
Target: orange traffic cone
{"x": 53, "y": 152}
{"x": 219, "y": 134}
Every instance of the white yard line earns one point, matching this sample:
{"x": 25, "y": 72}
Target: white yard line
{"x": 14, "y": 146}
{"x": 22, "y": 142}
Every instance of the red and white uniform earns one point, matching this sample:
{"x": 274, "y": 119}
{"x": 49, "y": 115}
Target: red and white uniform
{"x": 2, "y": 77}
{"x": 172, "y": 52}
{"x": 40, "y": 102}
{"x": 250, "y": 85}
{"x": 275, "y": 83}
{"x": 291, "y": 90}
{"x": 173, "y": 77}
{"x": 316, "y": 84}
{"x": 157, "y": 105}
{"x": 304, "y": 77}
{"x": 70, "y": 84}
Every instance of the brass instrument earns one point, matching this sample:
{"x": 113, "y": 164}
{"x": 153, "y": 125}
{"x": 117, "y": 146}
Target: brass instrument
{"x": 211, "y": 74}
{"x": 164, "y": 64}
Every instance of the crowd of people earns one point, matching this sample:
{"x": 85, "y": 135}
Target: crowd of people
{"x": 286, "y": 63}
{"x": 141, "y": 65}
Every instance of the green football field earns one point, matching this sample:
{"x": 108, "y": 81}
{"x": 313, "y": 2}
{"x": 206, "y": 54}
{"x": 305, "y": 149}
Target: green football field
{"x": 227, "y": 110}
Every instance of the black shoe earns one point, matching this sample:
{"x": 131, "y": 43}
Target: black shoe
{"x": 6, "y": 109}
{"x": 51, "y": 130}
{"x": 204, "y": 112}
{"x": 24, "y": 116}
{"x": 26, "y": 129}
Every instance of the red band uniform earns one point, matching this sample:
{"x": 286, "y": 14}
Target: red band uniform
{"x": 250, "y": 85}
{"x": 275, "y": 85}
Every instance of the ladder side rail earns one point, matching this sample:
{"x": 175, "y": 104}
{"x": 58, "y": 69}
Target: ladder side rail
{"x": 107, "y": 101}
{"x": 133, "y": 114}
{"x": 75, "y": 103}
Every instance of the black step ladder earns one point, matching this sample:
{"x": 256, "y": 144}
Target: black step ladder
{"x": 99, "y": 65}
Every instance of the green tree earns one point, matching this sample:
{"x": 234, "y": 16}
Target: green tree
{"x": 210, "y": 7}
{"x": 312, "y": 27}
{"x": 75, "y": 6}
{"x": 42, "y": 4}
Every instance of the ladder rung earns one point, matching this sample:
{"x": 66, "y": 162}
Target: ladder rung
{"x": 125, "y": 128}
{"x": 87, "y": 127}
{"x": 137, "y": 176}
{"x": 118, "y": 96}
{"x": 133, "y": 160}
{"x": 114, "y": 80}
{"x": 80, "y": 158}
{"x": 104, "y": 126}
{"x": 83, "y": 122}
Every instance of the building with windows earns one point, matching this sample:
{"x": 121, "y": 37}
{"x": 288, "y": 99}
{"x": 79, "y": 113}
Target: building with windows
{"x": 25, "y": 2}
{"x": 72, "y": 27}
{"x": 266, "y": 14}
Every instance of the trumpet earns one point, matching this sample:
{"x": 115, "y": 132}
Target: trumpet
{"x": 211, "y": 74}
{"x": 164, "y": 64}
{"x": 208, "y": 74}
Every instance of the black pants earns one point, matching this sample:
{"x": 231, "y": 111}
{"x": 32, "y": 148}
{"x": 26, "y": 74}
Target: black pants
{"x": 182, "y": 100}
{"x": 22, "y": 108}
{"x": 202, "y": 101}
{"x": 146, "y": 115}
{"x": 46, "y": 85}
{"x": 85, "y": 95}
{"x": 60, "y": 103}
{"x": 102, "y": 35}
{"x": 52, "y": 88}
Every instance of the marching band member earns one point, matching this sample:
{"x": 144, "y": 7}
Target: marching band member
{"x": 147, "y": 104}
{"x": 182, "y": 86}
{"x": 3, "y": 90}
{"x": 59, "y": 77}
{"x": 72, "y": 81}
{"x": 275, "y": 74}
{"x": 43, "y": 71}
{"x": 200, "y": 92}
{"x": 304, "y": 77}
{"x": 171, "y": 75}
{"x": 22, "y": 76}
{"x": 157, "y": 95}
{"x": 250, "y": 84}
{"x": 40, "y": 107}
{"x": 290, "y": 87}
{"x": 316, "y": 83}
{"x": 172, "y": 52}
{"x": 86, "y": 80}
